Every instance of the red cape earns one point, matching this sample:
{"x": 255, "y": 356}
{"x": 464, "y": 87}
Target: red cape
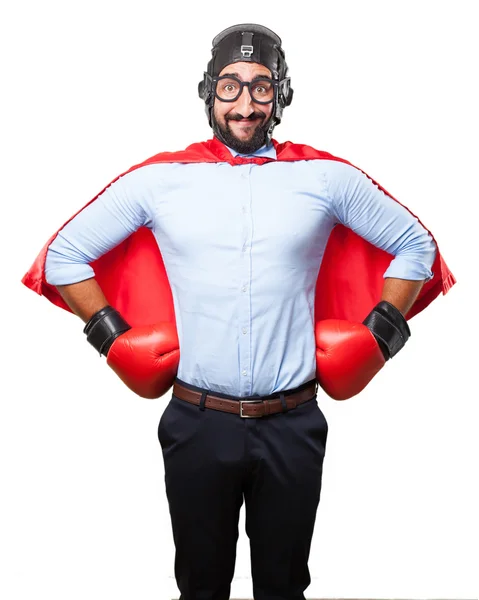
{"x": 133, "y": 277}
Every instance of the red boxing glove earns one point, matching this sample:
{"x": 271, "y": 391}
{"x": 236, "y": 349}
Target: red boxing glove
{"x": 347, "y": 357}
{"x": 146, "y": 358}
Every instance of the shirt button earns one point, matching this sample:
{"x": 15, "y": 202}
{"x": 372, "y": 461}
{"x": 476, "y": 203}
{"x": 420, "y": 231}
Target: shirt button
{"x": 244, "y": 330}
{"x": 243, "y": 209}
{"x": 243, "y": 372}
{"x": 243, "y": 289}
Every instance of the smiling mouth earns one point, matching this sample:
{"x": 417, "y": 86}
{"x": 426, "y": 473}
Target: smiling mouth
{"x": 246, "y": 121}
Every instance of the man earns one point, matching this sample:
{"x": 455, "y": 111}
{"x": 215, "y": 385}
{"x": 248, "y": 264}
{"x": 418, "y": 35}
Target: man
{"x": 272, "y": 266}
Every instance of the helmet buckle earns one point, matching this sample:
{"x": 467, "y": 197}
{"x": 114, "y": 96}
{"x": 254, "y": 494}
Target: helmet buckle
{"x": 246, "y": 50}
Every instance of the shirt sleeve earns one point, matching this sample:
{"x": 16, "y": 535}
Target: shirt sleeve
{"x": 115, "y": 214}
{"x": 359, "y": 204}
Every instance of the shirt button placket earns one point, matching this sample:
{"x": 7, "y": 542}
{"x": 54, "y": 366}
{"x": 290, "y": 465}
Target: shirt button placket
{"x": 245, "y": 290}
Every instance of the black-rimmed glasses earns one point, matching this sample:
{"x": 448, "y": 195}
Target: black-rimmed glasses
{"x": 228, "y": 88}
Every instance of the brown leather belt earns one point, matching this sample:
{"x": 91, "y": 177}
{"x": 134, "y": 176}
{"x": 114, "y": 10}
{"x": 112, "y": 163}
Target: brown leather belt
{"x": 259, "y": 407}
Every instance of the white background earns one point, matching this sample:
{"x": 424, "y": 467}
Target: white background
{"x": 91, "y": 88}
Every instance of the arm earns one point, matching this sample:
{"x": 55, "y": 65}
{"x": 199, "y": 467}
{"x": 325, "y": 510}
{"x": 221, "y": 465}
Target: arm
{"x": 121, "y": 209}
{"x": 349, "y": 355}
{"x": 358, "y": 203}
{"x": 115, "y": 214}
{"x": 85, "y": 298}
{"x": 401, "y": 293}
{"x": 145, "y": 358}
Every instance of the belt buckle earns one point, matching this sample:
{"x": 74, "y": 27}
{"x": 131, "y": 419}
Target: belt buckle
{"x": 248, "y": 402}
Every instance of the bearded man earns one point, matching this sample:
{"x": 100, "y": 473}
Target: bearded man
{"x": 243, "y": 272}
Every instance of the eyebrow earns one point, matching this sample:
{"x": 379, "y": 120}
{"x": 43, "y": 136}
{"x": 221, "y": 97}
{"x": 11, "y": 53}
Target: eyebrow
{"x": 261, "y": 76}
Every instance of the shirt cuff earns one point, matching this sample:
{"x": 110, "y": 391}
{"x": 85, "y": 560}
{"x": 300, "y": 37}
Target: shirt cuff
{"x": 68, "y": 274}
{"x": 409, "y": 268}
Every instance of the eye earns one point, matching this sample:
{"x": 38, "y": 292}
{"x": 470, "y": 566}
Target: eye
{"x": 227, "y": 88}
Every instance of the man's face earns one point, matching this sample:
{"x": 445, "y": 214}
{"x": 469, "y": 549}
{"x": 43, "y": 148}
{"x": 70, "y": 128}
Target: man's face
{"x": 242, "y": 122}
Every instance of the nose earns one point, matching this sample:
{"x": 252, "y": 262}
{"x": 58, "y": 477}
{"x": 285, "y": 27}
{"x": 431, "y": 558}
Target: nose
{"x": 244, "y": 104}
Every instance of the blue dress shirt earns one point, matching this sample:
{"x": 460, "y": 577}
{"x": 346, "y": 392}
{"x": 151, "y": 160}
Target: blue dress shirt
{"x": 242, "y": 247}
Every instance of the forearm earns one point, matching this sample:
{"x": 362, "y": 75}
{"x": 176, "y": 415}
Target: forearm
{"x": 401, "y": 293}
{"x": 85, "y": 298}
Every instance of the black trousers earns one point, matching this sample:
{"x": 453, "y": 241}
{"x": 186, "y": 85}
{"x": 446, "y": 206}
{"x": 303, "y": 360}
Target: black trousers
{"x": 215, "y": 460}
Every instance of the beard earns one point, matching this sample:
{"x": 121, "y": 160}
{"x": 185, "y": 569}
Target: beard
{"x": 227, "y": 136}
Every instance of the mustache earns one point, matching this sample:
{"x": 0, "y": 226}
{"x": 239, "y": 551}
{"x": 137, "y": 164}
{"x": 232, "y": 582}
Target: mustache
{"x": 251, "y": 117}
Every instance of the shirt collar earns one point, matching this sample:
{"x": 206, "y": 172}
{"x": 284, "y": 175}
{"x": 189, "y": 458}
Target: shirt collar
{"x": 266, "y": 151}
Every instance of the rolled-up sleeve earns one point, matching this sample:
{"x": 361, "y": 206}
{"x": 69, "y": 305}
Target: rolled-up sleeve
{"x": 359, "y": 204}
